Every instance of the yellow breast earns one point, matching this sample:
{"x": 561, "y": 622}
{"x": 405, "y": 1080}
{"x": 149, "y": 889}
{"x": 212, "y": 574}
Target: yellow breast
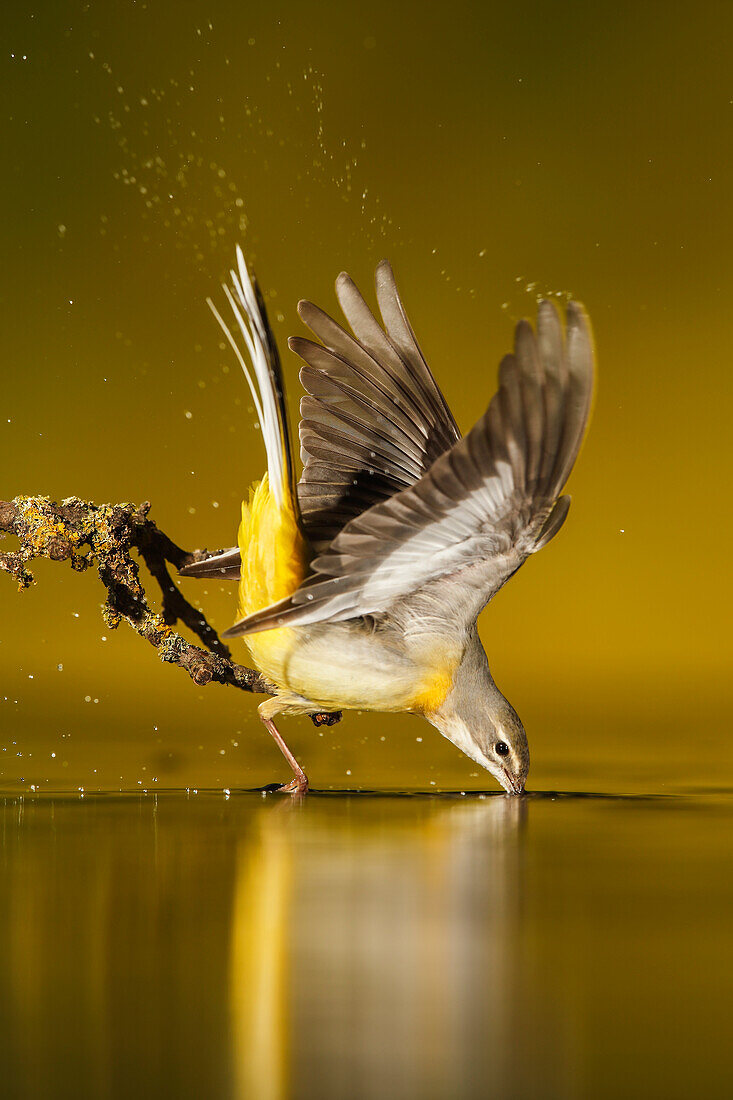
{"x": 435, "y": 665}
{"x": 431, "y": 690}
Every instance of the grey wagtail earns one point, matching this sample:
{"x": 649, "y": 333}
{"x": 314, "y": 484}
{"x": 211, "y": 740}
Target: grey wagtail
{"x": 360, "y": 584}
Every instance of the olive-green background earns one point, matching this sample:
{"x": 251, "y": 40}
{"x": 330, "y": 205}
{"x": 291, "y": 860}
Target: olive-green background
{"x": 493, "y": 153}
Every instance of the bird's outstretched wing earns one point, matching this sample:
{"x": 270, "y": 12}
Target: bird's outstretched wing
{"x": 481, "y": 508}
{"x": 374, "y": 420}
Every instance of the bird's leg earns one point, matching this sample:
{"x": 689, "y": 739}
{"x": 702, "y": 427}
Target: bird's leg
{"x": 299, "y": 784}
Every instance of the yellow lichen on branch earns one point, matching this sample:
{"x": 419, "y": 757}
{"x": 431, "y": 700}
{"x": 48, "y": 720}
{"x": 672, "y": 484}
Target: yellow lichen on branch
{"x": 103, "y": 536}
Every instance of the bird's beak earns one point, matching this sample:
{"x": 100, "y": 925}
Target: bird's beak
{"x": 510, "y": 784}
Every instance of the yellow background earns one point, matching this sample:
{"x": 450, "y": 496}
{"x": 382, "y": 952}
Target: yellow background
{"x": 493, "y": 153}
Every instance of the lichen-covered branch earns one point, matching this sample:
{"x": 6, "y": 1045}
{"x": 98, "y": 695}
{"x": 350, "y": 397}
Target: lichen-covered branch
{"x": 103, "y": 536}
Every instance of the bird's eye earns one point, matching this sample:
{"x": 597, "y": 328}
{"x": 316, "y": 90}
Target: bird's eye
{"x": 502, "y": 748}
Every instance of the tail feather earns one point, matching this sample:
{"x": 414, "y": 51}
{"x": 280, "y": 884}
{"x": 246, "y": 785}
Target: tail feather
{"x": 273, "y": 555}
{"x": 267, "y": 387}
{"x": 223, "y": 566}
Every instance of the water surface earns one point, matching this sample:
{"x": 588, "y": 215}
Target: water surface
{"x": 558, "y": 945}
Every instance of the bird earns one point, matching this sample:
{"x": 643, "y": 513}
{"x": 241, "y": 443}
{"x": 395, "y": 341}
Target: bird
{"x": 360, "y": 583}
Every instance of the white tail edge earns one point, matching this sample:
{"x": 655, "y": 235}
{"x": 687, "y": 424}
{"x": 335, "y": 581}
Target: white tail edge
{"x": 253, "y": 329}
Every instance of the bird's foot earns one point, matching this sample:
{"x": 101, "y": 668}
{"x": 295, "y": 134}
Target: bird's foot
{"x": 297, "y": 786}
{"x": 324, "y": 718}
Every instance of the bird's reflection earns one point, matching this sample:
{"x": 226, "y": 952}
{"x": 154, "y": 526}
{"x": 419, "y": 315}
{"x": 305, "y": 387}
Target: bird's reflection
{"x": 259, "y": 960}
{"x": 349, "y": 946}
{"x": 377, "y": 950}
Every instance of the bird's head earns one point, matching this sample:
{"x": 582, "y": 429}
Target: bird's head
{"x": 477, "y": 718}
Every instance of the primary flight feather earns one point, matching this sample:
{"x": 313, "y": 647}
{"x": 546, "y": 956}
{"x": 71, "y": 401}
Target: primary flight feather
{"x": 360, "y": 587}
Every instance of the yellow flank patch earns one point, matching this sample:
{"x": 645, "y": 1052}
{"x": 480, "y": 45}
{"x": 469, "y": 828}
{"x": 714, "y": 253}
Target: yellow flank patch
{"x": 431, "y": 691}
{"x": 274, "y": 562}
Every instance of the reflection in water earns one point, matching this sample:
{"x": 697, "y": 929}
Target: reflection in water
{"x": 259, "y": 961}
{"x": 386, "y": 959}
{"x": 258, "y": 948}
{"x": 364, "y": 947}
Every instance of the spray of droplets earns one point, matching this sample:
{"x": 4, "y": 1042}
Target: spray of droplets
{"x": 167, "y": 162}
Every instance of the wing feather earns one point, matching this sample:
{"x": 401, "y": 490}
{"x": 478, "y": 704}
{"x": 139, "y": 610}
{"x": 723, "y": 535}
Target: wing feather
{"x": 374, "y": 413}
{"x": 400, "y": 332}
